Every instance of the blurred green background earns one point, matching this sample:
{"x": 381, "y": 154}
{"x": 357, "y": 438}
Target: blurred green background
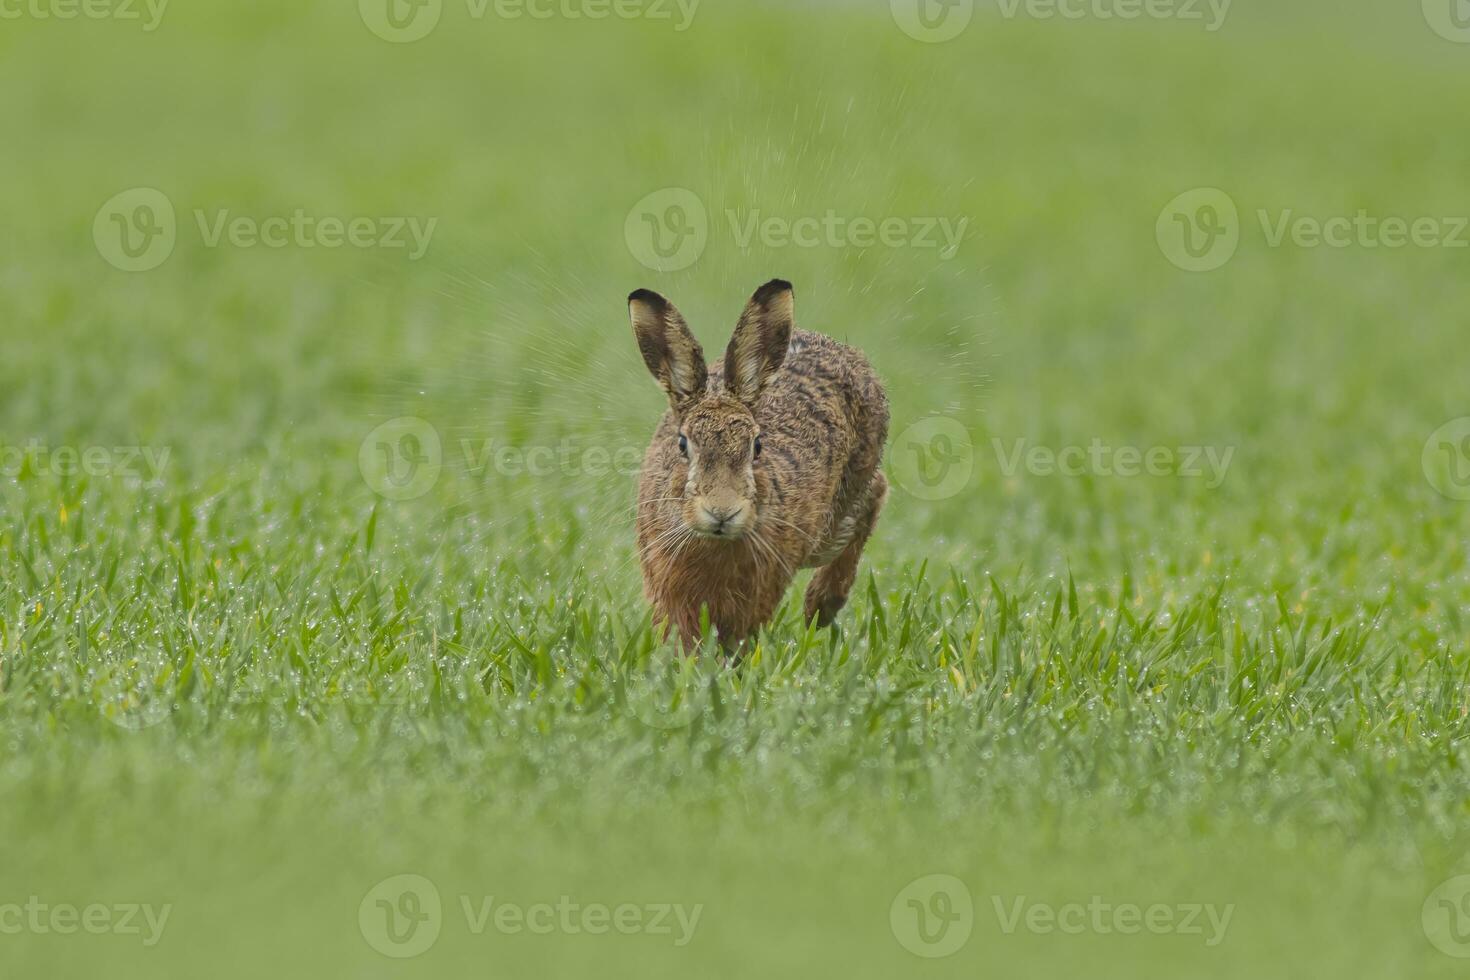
{"x": 316, "y": 563}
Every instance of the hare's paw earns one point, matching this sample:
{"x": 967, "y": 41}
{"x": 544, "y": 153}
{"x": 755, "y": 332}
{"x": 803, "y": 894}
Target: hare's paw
{"x": 821, "y": 604}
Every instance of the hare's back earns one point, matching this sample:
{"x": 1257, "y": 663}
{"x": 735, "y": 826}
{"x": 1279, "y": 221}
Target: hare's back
{"x": 830, "y": 379}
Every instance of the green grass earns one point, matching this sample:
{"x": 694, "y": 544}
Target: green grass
{"x": 254, "y": 688}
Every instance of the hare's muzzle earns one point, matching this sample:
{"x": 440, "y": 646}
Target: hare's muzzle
{"x": 721, "y": 521}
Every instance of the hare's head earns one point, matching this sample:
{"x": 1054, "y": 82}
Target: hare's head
{"x": 719, "y": 441}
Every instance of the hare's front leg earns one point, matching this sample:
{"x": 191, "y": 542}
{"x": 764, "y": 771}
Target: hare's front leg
{"x": 827, "y": 592}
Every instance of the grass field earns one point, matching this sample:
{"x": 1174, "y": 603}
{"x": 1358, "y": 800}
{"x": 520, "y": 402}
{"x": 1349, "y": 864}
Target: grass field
{"x": 316, "y": 562}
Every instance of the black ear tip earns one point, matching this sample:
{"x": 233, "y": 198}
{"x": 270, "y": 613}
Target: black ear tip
{"x": 773, "y": 288}
{"x": 647, "y": 296}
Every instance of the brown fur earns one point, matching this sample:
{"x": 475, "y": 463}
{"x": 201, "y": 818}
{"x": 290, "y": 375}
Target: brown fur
{"x": 810, "y": 500}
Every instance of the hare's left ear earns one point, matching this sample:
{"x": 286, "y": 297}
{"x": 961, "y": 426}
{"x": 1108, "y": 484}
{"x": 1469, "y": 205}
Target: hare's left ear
{"x": 760, "y": 341}
{"x": 672, "y": 354}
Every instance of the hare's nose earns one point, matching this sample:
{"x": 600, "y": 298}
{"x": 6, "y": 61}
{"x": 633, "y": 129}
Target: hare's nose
{"x": 719, "y": 520}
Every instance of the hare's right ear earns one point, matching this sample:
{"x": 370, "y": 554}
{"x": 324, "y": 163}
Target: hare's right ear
{"x": 672, "y": 354}
{"x": 759, "y": 344}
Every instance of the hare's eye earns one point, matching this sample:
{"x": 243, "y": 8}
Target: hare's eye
{"x": 683, "y": 446}
{"x": 757, "y": 447}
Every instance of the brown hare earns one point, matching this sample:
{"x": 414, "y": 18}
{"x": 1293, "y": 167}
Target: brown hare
{"x": 767, "y": 464}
